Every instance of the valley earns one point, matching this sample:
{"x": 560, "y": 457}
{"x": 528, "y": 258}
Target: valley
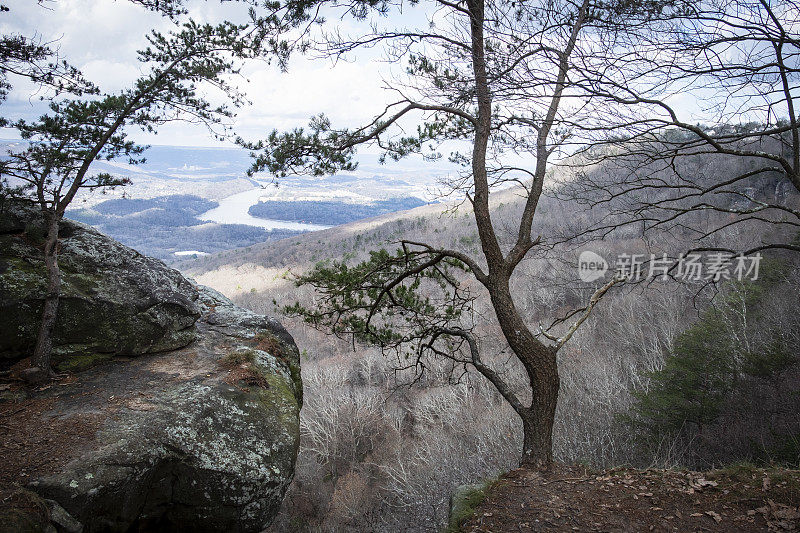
{"x": 377, "y": 454}
{"x": 382, "y": 267}
{"x": 187, "y": 201}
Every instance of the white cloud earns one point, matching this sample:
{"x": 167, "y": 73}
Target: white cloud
{"x": 101, "y": 37}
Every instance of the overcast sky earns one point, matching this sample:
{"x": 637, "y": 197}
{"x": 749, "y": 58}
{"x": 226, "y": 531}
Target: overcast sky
{"x": 101, "y": 38}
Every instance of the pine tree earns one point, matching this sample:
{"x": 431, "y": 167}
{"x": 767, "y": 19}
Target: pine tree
{"x": 56, "y": 162}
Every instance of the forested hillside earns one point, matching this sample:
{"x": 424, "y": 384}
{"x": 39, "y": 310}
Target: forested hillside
{"x": 166, "y": 225}
{"x": 586, "y": 316}
{"x": 380, "y": 455}
{"x": 329, "y": 213}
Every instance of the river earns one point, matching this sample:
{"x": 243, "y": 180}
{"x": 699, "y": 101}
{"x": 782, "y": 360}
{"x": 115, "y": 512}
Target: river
{"x": 233, "y": 210}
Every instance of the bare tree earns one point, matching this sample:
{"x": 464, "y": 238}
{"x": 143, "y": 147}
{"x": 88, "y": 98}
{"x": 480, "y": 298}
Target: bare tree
{"x": 496, "y": 77}
{"x": 707, "y": 139}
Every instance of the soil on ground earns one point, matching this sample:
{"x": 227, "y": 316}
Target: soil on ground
{"x": 573, "y": 498}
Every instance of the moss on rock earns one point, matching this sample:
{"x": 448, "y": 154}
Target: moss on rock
{"x": 463, "y": 503}
{"x": 78, "y": 362}
{"x": 113, "y": 299}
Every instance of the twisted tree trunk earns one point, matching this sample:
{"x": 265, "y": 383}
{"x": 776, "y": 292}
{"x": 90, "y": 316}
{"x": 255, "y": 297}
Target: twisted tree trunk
{"x": 539, "y": 361}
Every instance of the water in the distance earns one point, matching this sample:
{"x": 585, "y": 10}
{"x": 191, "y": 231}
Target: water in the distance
{"x": 233, "y": 210}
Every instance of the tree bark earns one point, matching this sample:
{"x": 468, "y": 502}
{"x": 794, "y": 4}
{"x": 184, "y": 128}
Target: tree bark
{"x": 540, "y": 363}
{"x": 538, "y": 420}
{"x": 538, "y": 359}
{"x": 44, "y": 342}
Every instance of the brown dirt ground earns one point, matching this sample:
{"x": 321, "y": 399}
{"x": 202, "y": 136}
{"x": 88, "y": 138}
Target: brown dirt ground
{"x": 33, "y": 442}
{"x": 572, "y": 498}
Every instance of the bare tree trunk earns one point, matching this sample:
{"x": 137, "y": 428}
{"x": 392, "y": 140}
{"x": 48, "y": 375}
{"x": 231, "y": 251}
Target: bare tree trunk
{"x": 541, "y": 367}
{"x": 44, "y": 343}
{"x": 538, "y": 420}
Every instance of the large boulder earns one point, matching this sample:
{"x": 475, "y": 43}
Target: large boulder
{"x": 114, "y": 301}
{"x": 199, "y": 438}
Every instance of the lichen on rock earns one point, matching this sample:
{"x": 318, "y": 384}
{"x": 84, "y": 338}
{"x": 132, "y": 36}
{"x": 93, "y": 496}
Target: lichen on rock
{"x": 179, "y": 440}
{"x": 113, "y": 299}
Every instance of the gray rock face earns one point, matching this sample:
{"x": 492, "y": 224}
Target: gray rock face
{"x": 114, "y": 301}
{"x": 200, "y": 438}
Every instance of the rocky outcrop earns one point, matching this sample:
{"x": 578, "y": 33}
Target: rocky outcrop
{"x": 199, "y": 438}
{"x": 114, "y": 301}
